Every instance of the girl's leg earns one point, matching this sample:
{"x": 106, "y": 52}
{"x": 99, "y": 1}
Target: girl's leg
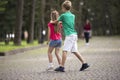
{"x": 50, "y": 49}
{"x": 57, "y": 50}
{"x": 88, "y": 36}
{"x": 85, "y": 35}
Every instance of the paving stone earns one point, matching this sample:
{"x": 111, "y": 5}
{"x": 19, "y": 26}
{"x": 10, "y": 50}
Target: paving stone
{"x": 103, "y": 55}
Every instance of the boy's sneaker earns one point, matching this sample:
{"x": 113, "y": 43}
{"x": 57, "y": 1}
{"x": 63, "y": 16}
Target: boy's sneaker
{"x": 60, "y": 69}
{"x": 84, "y": 66}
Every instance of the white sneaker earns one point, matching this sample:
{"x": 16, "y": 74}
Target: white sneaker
{"x": 50, "y": 68}
{"x": 87, "y": 44}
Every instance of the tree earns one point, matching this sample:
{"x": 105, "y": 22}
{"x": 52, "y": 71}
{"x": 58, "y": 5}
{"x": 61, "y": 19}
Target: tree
{"x": 97, "y": 15}
{"x": 42, "y": 22}
{"x": 19, "y": 22}
{"x": 31, "y": 22}
{"x": 7, "y": 17}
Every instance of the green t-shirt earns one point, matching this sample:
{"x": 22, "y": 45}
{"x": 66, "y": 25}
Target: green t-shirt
{"x": 68, "y": 22}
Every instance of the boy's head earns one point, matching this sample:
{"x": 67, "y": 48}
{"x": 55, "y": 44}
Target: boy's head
{"x": 66, "y": 6}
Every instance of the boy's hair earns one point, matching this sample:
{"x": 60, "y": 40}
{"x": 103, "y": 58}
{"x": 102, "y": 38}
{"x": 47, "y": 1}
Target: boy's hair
{"x": 54, "y": 16}
{"x": 67, "y": 5}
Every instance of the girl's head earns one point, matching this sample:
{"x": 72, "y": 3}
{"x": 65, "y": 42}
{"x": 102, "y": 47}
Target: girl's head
{"x": 87, "y": 21}
{"x": 66, "y": 6}
{"x": 54, "y": 15}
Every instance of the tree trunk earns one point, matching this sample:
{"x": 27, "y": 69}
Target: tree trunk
{"x": 31, "y": 22}
{"x": 19, "y": 19}
{"x": 42, "y": 22}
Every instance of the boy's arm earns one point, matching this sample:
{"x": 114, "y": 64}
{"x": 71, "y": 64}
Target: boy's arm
{"x": 55, "y": 22}
{"x": 60, "y": 26}
{"x": 60, "y": 19}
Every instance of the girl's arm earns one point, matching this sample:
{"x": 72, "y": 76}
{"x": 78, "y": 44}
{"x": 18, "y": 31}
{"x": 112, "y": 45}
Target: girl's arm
{"x": 48, "y": 35}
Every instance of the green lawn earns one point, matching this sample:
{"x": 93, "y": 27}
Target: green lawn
{"x": 81, "y": 42}
{"x": 11, "y": 46}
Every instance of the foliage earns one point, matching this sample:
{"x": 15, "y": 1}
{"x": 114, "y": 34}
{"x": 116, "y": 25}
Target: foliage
{"x": 99, "y": 9}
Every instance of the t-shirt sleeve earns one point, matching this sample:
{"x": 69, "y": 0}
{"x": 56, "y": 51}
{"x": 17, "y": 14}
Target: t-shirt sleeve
{"x": 60, "y": 18}
{"x": 49, "y": 24}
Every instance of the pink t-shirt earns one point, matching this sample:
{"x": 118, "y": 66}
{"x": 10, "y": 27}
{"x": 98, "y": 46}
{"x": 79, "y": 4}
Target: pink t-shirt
{"x": 53, "y": 35}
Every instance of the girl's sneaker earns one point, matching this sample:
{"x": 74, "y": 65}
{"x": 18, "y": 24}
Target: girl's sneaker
{"x": 87, "y": 44}
{"x": 50, "y": 67}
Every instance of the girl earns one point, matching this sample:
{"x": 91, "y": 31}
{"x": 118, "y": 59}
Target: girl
{"x": 87, "y": 30}
{"x": 54, "y": 36}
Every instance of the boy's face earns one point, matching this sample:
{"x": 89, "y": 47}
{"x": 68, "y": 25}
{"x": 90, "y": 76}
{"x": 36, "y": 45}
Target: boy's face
{"x": 63, "y": 9}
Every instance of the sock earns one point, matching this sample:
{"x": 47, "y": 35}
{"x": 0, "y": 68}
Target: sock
{"x": 50, "y": 64}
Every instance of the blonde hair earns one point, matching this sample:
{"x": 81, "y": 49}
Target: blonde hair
{"x": 54, "y": 16}
{"x": 67, "y": 5}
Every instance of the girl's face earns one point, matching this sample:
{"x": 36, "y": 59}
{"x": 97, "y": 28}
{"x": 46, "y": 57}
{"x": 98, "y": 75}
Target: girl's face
{"x": 87, "y": 21}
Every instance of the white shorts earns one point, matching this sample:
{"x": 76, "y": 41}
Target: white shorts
{"x": 70, "y": 43}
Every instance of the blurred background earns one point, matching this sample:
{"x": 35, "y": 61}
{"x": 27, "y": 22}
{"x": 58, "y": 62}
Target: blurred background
{"x": 28, "y": 19}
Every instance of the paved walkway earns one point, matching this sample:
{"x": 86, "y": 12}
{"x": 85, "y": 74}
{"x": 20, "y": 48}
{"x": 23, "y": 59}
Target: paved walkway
{"x": 103, "y": 55}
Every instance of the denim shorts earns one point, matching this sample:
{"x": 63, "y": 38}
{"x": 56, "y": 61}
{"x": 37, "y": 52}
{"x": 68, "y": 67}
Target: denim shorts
{"x": 55, "y": 43}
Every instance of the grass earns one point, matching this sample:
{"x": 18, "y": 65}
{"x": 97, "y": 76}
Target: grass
{"x": 11, "y": 46}
{"x": 81, "y": 42}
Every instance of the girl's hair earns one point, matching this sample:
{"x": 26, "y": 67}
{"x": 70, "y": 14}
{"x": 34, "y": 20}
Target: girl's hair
{"x": 54, "y": 16}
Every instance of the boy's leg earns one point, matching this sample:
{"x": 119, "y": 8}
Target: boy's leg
{"x": 84, "y": 65}
{"x": 67, "y": 47}
{"x": 76, "y": 53}
{"x": 61, "y": 67}
{"x": 64, "y": 56}
{"x": 79, "y": 56}
{"x": 57, "y": 50}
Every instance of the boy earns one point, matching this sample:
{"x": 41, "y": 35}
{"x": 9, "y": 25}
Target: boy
{"x": 70, "y": 43}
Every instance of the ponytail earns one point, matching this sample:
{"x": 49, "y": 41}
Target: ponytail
{"x": 54, "y": 16}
